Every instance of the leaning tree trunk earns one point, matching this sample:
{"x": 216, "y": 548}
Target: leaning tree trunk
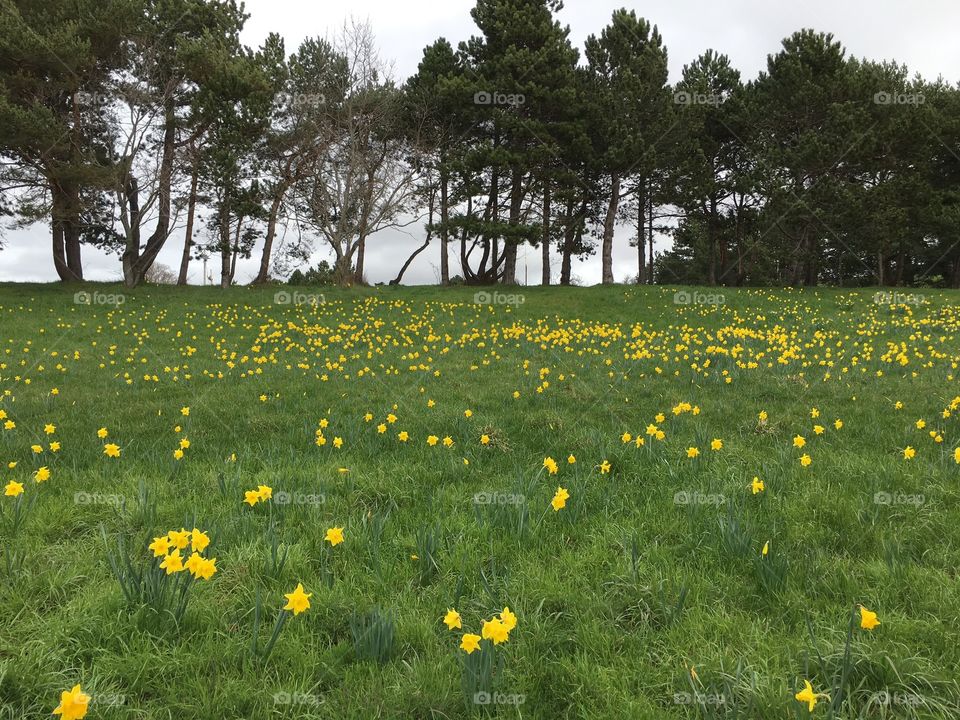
{"x": 264, "y": 273}
{"x": 609, "y": 223}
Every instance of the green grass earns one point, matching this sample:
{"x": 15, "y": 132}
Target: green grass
{"x": 617, "y": 595}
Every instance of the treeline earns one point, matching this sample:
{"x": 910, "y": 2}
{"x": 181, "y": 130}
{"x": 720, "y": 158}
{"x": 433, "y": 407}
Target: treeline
{"x": 126, "y": 123}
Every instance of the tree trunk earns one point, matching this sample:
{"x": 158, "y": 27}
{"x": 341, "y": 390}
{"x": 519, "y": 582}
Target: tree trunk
{"x": 641, "y": 226}
{"x": 510, "y": 245}
{"x": 650, "y": 233}
{"x": 188, "y": 235}
{"x": 712, "y": 239}
{"x": 609, "y": 224}
{"x": 444, "y": 214}
{"x": 61, "y": 227}
{"x": 264, "y": 274}
{"x": 225, "y": 244}
{"x": 136, "y": 264}
{"x": 545, "y": 272}
{"x": 566, "y": 252}
{"x": 361, "y": 252}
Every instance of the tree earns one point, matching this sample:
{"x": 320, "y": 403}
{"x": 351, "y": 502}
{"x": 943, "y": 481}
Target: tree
{"x": 811, "y": 128}
{"x": 174, "y": 39}
{"x": 365, "y": 179}
{"x": 301, "y": 128}
{"x": 525, "y": 57}
{"x": 628, "y": 64}
{"x": 56, "y": 62}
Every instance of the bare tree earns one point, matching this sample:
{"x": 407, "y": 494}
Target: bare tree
{"x": 365, "y": 181}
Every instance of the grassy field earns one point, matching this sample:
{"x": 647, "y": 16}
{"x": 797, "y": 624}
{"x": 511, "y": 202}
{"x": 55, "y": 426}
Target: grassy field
{"x": 665, "y": 587}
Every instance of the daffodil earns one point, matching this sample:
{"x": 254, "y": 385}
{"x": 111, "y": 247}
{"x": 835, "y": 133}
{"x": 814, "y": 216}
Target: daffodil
{"x": 334, "y": 536}
{"x": 452, "y": 619}
{"x": 73, "y": 704}
{"x": 470, "y": 642}
{"x": 560, "y": 499}
{"x": 298, "y": 601}
{"x": 868, "y": 619}
{"x": 495, "y": 630}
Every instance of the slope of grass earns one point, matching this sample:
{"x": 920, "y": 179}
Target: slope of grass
{"x": 646, "y": 596}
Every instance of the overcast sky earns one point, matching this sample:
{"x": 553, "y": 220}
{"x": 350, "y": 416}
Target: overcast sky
{"x": 920, "y": 33}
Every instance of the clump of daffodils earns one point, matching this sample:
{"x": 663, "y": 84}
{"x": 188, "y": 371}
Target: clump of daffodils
{"x": 261, "y": 494}
{"x": 481, "y": 666}
{"x": 176, "y": 544}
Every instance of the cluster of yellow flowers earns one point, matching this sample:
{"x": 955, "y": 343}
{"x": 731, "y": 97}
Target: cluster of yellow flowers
{"x": 496, "y": 630}
{"x": 261, "y": 494}
{"x": 169, "y": 546}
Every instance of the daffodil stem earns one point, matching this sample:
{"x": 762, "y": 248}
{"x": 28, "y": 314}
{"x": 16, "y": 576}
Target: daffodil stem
{"x": 277, "y": 628}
